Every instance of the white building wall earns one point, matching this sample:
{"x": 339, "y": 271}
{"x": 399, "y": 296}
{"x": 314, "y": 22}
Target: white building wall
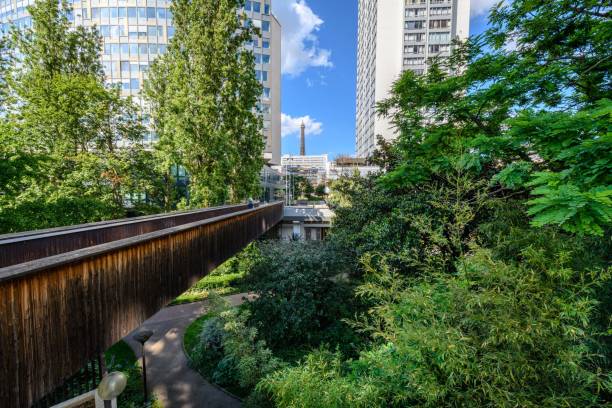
{"x": 394, "y": 36}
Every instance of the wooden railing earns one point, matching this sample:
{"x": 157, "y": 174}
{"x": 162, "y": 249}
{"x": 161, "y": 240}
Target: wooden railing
{"x": 58, "y": 312}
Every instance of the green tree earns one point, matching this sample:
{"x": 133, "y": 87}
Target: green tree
{"x": 204, "y": 94}
{"x": 72, "y": 145}
{"x": 320, "y": 190}
{"x": 527, "y": 111}
{"x": 469, "y": 304}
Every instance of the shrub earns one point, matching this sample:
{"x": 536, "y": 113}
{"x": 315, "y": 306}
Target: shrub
{"x": 496, "y": 334}
{"x": 300, "y": 295}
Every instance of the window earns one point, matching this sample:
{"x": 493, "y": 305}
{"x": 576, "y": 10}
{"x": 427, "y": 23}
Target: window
{"x": 265, "y": 26}
{"x": 161, "y": 13}
{"x": 105, "y": 31}
{"x": 439, "y": 23}
{"x": 435, "y": 48}
{"x": 95, "y": 12}
{"x": 114, "y": 13}
{"x": 134, "y": 50}
{"x": 122, "y": 12}
{"x": 265, "y": 59}
{"x": 437, "y": 11}
{"x": 170, "y": 31}
{"x": 134, "y": 84}
{"x": 152, "y": 31}
{"x": 417, "y": 37}
{"x": 261, "y": 75}
{"x": 108, "y": 68}
{"x": 439, "y": 37}
{"x": 414, "y": 25}
{"x": 267, "y": 9}
{"x": 416, "y": 12}
{"x": 414, "y": 49}
{"x": 142, "y": 12}
{"x": 143, "y": 49}
{"x": 153, "y": 49}
{"x": 84, "y": 12}
{"x": 265, "y": 44}
{"x": 131, "y": 12}
{"x": 104, "y": 12}
{"x": 125, "y": 67}
{"x": 256, "y": 7}
{"x": 266, "y": 93}
{"x": 150, "y": 12}
{"x": 414, "y": 61}
{"x": 248, "y": 5}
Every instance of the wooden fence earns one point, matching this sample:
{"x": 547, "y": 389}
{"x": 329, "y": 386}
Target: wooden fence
{"x": 58, "y": 312}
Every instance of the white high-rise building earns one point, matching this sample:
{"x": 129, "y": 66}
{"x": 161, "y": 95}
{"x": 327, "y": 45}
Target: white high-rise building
{"x": 396, "y": 35}
{"x": 135, "y": 32}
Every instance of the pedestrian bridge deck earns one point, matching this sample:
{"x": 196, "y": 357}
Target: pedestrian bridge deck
{"x": 67, "y": 294}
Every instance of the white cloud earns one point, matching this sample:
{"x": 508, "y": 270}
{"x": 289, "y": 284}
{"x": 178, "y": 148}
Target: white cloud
{"x": 300, "y": 44}
{"x": 291, "y": 125}
{"x": 479, "y": 7}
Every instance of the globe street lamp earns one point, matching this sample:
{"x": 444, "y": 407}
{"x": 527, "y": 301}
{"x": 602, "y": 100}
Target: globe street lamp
{"x": 111, "y": 386}
{"x": 142, "y": 337}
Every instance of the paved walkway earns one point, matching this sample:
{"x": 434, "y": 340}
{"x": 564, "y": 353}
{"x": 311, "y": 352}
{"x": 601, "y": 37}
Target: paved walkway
{"x": 168, "y": 374}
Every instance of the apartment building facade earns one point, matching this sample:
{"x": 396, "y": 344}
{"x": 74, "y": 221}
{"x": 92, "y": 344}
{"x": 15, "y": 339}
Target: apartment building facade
{"x": 135, "y": 32}
{"x": 394, "y": 36}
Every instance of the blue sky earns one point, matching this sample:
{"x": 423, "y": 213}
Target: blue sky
{"x": 319, "y": 71}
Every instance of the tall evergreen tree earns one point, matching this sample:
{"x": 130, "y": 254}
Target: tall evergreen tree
{"x": 204, "y": 94}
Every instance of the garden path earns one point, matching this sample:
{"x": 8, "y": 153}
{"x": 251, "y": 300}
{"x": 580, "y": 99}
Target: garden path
{"x": 168, "y": 374}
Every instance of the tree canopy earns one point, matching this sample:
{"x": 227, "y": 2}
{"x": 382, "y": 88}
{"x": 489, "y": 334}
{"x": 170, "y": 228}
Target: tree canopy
{"x": 204, "y": 94}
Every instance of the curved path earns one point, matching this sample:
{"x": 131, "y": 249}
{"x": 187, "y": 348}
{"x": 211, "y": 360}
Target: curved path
{"x": 168, "y": 374}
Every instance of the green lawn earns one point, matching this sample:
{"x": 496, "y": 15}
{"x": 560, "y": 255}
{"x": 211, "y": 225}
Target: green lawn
{"x": 221, "y": 284}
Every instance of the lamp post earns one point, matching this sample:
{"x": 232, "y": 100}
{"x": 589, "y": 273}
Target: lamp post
{"x": 111, "y": 386}
{"x": 142, "y": 337}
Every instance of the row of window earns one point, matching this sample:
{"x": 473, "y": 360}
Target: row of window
{"x": 128, "y": 12}
{"x": 422, "y": 12}
{"x": 263, "y": 25}
{"x": 126, "y": 68}
{"x": 262, "y": 76}
{"x": 262, "y": 59}
{"x": 416, "y": 25}
{"x": 134, "y": 32}
{"x": 433, "y": 37}
{"x": 133, "y": 50}
{"x": 127, "y": 85}
{"x": 433, "y": 48}
{"x": 256, "y": 7}
{"x": 264, "y": 108}
{"x": 411, "y": 2}
{"x": 265, "y": 44}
